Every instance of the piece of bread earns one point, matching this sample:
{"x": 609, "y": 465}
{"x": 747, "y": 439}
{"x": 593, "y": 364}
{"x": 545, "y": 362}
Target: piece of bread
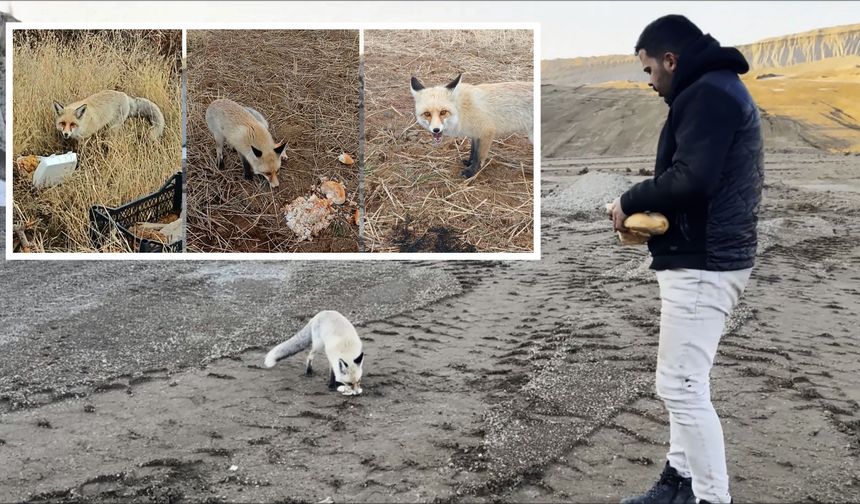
{"x": 641, "y": 226}
{"x": 335, "y": 191}
{"x": 651, "y": 224}
{"x": 632, "y": 238}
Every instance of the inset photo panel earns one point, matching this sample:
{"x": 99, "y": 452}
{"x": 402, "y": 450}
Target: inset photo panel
{"x": 449, "y": 135}
{"x": 96, "y": 141}
{"x": 273, "y": 127}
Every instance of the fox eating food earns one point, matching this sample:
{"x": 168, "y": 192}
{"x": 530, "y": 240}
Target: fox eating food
{"x": 245, "y": 129}
{"x": 332, "y": 333}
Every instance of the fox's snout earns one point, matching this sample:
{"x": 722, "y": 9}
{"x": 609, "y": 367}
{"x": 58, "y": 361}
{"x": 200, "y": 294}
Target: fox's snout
{"x": 438, "y": 119}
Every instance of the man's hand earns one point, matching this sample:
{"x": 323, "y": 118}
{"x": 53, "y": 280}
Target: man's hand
{"x": 618, "y": 216}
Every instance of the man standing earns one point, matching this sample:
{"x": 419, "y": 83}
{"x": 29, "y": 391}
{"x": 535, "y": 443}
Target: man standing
{"x": 707, "y": 181}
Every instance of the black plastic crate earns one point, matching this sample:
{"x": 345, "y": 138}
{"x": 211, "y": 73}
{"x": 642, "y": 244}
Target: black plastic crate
{"x": 149, "y": 208}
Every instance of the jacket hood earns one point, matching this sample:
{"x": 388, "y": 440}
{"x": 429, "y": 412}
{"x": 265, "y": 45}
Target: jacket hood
{"x": 702, "y": 56}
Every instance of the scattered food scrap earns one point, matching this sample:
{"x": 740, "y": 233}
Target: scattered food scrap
{"x": 28, "y": 164}
{"x": 308, "y": 216}
{"x": 334, "y": 190}
{"x": 346, "y": 159}
{"x": 168, "y": 229}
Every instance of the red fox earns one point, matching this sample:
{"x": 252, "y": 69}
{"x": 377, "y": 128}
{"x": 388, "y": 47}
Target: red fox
{"x": 82, "y": 119}
{"x": 332, "y": 333}
{"x": 480, "y": 112}
{"x": 245, "y": 130}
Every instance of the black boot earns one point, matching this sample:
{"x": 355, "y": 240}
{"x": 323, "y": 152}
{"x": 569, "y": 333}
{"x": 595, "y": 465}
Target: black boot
{"x": 671, "y": 488}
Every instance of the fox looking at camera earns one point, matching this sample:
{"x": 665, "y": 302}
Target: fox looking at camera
{"x": 82, "y": 119}
{"x": 481, "y": 112}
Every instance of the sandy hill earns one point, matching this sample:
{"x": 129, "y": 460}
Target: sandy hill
{"x": 807, "y": 86}
{"x": 783, "y": 51}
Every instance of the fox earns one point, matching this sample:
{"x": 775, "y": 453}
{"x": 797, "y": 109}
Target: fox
{"x": 81, "y": 119}
{"x": 247, "y": 131}
{"x": 481, "y": 112}
{"x": 331, "y": 332}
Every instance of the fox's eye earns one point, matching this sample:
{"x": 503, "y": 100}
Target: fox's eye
{"x": 73, "y": 125}
{"x": 62, "y": 124}
{"x": 443, "y": 113}
{"x": 427, "y": 114}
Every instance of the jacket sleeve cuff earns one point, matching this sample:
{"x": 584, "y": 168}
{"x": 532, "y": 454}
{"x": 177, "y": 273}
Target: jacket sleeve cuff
{"x": 627, "y": 204}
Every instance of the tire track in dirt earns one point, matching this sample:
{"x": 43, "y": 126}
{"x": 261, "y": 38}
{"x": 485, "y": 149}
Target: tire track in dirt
{"x": 535, "y": 383}
{"x": 423, "y": 430}
{"x": 785, "y": 383}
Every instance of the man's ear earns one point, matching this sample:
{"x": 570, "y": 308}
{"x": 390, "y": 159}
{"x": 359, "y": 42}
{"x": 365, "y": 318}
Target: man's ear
{"x": 670, "y": 61}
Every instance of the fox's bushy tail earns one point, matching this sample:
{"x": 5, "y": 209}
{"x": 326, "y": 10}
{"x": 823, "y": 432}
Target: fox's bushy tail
{"x": 292, "y": 346}
{"x": 142, "y": 107}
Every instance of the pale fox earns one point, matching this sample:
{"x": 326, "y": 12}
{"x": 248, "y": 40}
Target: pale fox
{"x": 245, "y": 129}
{"x": 332, "y": 333}
{"x": 83, "y": 118}
{"x": 481, "y": 112}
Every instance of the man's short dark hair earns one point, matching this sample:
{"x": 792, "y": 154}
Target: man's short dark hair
{"x": 670, "y": 33}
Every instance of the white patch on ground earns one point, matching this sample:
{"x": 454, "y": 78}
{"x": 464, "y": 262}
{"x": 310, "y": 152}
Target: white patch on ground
{"x": 789, "y": 231}
{"x": 589, "y": 194}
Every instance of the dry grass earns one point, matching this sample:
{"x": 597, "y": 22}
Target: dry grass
{"x": 306, "y": 85}
{"x": 113, "y": 168}
{"x": 414, "y": 188}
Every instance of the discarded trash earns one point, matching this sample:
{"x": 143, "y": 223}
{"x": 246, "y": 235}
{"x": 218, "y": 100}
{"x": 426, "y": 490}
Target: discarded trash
{"x": 52, "y": 170}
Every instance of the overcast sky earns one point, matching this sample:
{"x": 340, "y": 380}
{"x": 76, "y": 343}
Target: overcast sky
{"x": 569, "y": 28}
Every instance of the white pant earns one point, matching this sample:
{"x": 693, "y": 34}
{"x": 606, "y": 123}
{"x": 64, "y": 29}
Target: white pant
{"x": 695, "y": 304}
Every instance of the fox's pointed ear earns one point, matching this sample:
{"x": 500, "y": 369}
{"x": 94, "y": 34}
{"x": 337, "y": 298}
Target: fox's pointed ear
{"x": 280, "y": 148}
{"x": 59, "y": 107}
{"x": 79, "y": 112}
{"x": 342, "y": 365}
{"x": 257, "y": 152}
{"x": 453, "y": 84}
{"x": 416, "y": 85}
{"x": 359, "y": 358}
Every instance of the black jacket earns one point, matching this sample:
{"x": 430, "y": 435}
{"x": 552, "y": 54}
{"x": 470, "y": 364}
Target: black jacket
{"x": 710, "y": 165}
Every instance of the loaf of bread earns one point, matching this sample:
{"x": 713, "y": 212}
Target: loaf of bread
{"x": 641, "y": 227}
{"x": 651, "y": 224}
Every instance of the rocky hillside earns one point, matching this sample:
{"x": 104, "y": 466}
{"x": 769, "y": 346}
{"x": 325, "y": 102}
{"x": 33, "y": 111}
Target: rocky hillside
{"x": 782, "y": 51}
{"x": 806, "y": 86}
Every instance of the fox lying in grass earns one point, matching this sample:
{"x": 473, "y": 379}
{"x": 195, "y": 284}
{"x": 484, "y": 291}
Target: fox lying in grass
{"x": 481, "y": 112}
{"x": 245, "y": 130}
{"x": 82, "y": 119}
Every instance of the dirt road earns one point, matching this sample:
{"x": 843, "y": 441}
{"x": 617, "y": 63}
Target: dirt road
{"x": 522, "y": 381}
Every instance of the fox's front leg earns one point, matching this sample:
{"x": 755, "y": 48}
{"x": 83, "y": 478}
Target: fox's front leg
{"x": 246, "y": 167}
{"x": 332, "y": 383}
{"x": 474, "y": 163}
{"x": 482, "y": 148}
{"x": 472, "y": 153}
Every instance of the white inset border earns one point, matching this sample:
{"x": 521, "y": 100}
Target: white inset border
{"x": 275, "y": 256}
